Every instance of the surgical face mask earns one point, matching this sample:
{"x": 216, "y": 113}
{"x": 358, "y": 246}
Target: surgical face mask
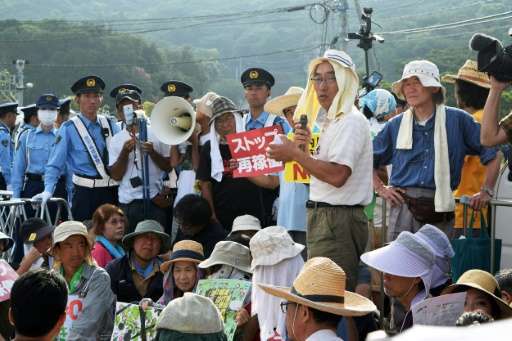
{"x": 47, "y": 117}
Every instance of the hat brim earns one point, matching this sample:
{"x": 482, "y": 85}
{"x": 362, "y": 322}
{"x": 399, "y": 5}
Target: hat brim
{"x": 164, "y": 237}
{"x": 354, "y": 304}
{"x": 427, "y": 82}
{"x": 55, "y": 242}
{"x": 391, "y": 259}
{"x": 505, "y": 309}
{"x": 276, "y": 105}
{"x": 164, "y": 267}
{"x": 208, "y": 263}
{"x": 272, "y": 259}
{"x": 451, "y": 79}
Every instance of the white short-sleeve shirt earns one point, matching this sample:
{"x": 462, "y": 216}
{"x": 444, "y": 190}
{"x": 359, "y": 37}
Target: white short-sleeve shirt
{"x": 127, "y": 193}
{"x": 346, "y": 141}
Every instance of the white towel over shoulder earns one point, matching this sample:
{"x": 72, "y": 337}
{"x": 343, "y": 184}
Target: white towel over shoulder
{"x": 443, "y": 199}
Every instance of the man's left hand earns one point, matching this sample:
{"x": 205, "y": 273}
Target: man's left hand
{"x": 147, "y": 147}
{"x": 479, "y": 200}
{"x": 285, "y": 151}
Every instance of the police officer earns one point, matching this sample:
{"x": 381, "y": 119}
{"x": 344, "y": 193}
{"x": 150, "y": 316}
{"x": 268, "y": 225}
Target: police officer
{"x": 81, "y": 143}
{"x": 8, "y": 112}
{"x": 121, "y": 90}
{"x": 176, "y": 88}
{"x": 64, "y": 111}
{"x": 33, "y": 152}
{"x": 257, "y": 84}
{"x": 30, "y": 121}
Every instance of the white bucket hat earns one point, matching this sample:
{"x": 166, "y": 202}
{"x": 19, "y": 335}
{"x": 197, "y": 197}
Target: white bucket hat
{"x": 191, "y": 314}
{"x": 289, "y": 99}
{"x": 245, "y": 222}
{"x": 427, "y": 72}
{"x": 229, "y": 253}
{"x": 204, "y": 104}
{"x": 405, "y": 257}
{"x": 272, "y": 245}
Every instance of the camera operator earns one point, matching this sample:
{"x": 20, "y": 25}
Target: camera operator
{"x": 126, "y": 166}
{"x": 494, "y": 133}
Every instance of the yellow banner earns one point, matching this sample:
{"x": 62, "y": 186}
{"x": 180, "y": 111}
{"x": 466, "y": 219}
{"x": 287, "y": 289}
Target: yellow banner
{"x": 293, "y": 171}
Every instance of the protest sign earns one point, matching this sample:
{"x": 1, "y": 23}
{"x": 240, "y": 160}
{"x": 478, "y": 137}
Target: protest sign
{"x": 249, "y": 149}
{"x": 7, "y": 278}
{"x": 228, "y": 295}
{"x": 293, "y": 171}
{"x": 439, "y": 311}
{"x": 128, "y": 322}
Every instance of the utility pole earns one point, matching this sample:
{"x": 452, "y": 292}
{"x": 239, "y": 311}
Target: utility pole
{"x": 19, "y": 79}
{"x": 344, "y": 24}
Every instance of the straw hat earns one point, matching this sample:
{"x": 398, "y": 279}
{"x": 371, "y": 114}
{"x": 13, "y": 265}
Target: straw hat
{"x": 426, "y": 71}
{"x": 67, "y": 229}
{"x": 147, "y": 226}
{"x": 484, "y": 282}
{"x": 321, "y": 286}
{"x": 469, "y": 73}
{"x": 191, "y": 314}
{"x": 185, "y": 250}
{"x": 272, "y": 245}
{"x": 290, "y": 98}
{"x": 229, "y": 253}
{"x": 245, "y": 222}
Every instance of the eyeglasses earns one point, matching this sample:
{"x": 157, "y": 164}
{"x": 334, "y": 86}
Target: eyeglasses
{"x": 284, "y": 306}
{"x": 319, "y": 80}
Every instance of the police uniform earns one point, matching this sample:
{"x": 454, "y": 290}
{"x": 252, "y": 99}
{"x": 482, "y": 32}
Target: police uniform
{"x": 32, "y": 154}
{"x": 6, "y": 146}
{"x": 258, "y": 76}
{"x": 176, "y": 88}
{"x": 82, "y": 145}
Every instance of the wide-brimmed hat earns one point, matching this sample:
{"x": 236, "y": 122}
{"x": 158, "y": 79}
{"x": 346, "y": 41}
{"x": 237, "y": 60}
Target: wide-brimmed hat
{"x": 10, "y": 241}
{"x": 191, "y": 314}
{"x": 484, "y": 282}
{"x": 272, "y": 245}
{"x": 321, "y": 286}
{"x": 426, "y": 71}
{"x": 67, "y": 229}
{"x": 469, "y": 73}
{"x": 184, "y": 250}
{"x": 229, "y": 253}
{"x": 245, "y": 222}
{"x": 220, "y": 106}
{"x": 147, "y": 226}
{"x": 290, "y": 98}
{"x": 204, "y": 104}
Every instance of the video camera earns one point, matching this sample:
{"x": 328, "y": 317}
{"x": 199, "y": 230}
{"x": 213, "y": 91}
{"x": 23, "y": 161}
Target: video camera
{"x": 493, "y": 58}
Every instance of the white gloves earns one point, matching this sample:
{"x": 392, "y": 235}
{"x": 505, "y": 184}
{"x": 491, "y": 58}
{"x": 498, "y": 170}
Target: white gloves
{"x": 43, "y": 197}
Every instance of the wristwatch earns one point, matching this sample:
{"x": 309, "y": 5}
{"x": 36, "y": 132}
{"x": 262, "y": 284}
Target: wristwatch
{"x": 487, "y": 190}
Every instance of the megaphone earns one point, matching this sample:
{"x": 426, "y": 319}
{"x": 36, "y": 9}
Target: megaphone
{"x": 173, "y": 120}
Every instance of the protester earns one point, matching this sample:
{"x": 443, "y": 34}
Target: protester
{"x": 504, "y": 279}
{"x": 181, "y": 270}
{"x": 190, "y": 318}
{"x": 108, "y": 225}
{"x": 245, "y": 225}
{"x": 482, "y": 294}
{"x": 276, "y": 260}
{"x": 407, "y": 266}
{"x": 38, "y": 305}
{"x": 426, "y": 147}
{"x": 316, "y": 301}
{"x": 229, "y": 260}
{"x": 136, "y": 275}
{"x": 228, "y": 197}
{"x": 471, "y": 91}
{"x": 36, "y": 235}
{"x": 132, "y": 95}
{"x": 204, "y": 114}
{"x": 86, "y": 282}
{"x": 434, "y": 238}
{"x": 340, "y": 170}
{"x": 194, "y": 218}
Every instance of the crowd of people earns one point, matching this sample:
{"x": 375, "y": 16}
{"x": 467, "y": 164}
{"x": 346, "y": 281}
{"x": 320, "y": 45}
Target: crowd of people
{"x": 308, "y": 249}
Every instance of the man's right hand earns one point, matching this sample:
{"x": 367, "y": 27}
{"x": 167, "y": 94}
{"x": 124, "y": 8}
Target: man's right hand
{"x": 391, "y": 194}
{"x": 128, "y": 146}
{"x": 498, "y": 85}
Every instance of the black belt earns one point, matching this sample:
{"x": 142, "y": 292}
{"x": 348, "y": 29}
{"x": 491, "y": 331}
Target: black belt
{"x": 318, "y": 204}
{"x": 40, "y": 177}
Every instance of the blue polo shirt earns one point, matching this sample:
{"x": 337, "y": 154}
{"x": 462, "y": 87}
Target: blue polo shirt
{"x": 415, "y": 167}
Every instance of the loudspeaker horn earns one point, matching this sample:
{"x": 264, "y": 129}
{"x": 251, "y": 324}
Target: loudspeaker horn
{"x": 173, "y": 120}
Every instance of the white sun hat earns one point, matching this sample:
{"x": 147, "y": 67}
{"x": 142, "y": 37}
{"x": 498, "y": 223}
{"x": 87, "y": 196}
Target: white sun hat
{"x": 426, "y": 71}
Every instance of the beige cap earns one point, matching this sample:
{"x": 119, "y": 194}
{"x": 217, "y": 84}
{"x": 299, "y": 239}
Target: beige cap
{"x": 67, "y": 229}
